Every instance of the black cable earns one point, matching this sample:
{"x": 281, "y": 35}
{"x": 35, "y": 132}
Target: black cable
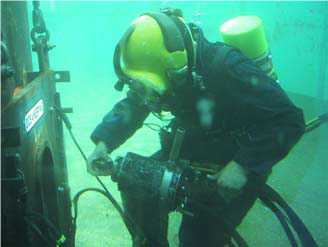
{"x": 282, "y": 219}
{"x": 39, "y": 233}
{"x": 303, "y": 233}
{"x": 153, "y": 126}
{"x": 53, "y": 234}
{"x": 126, "y": 219}
{"x": 45, "y": 220}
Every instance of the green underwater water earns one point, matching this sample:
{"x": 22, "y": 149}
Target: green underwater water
{"x": 85, "y": 35}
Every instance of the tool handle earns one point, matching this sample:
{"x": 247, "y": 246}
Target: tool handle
{"x": 177, "y": 143}
{"x": 104, "y": 164}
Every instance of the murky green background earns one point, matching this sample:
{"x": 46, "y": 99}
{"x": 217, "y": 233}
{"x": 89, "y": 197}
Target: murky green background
{"x": 85, "y": 35}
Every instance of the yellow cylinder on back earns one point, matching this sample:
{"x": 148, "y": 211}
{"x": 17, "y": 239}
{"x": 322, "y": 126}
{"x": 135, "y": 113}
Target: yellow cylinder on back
{"x": 247, "y": 34}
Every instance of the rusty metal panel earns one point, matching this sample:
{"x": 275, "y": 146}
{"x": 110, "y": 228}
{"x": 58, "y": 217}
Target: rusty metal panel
{"x": 41, "y": 149}
{"x": 14, "y": 27}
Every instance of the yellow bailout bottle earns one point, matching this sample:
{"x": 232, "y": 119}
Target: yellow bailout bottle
{"x": 247, "y": 34}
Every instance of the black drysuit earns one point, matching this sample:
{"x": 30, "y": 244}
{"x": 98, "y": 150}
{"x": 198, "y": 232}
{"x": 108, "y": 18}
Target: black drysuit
{"x": 255, "y": 125}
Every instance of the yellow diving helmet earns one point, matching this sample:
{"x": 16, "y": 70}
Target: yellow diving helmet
{"x": 150, "y": 49}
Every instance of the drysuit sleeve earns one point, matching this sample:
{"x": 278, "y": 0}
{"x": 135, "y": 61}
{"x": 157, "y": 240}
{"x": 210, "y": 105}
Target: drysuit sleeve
{"x": 278, "y": 123}
{"x": 126, "y": 117}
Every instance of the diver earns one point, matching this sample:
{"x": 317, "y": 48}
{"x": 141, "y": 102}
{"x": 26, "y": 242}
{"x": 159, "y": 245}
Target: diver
{"x": 237, "y": 119}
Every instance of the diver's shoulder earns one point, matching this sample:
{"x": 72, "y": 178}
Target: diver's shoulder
{"x": 220, "y": 56}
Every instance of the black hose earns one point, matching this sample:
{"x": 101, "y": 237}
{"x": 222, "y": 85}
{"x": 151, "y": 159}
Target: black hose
{"x": 282, "y": 219}
{"x": 38, "y": 232}
{"x": 51, "y": 239}
{"x": 44, "y": 220}
{"x": 126, "y": 219}
{"x": 154, "y": 127}
{"x": 303, "y": 233}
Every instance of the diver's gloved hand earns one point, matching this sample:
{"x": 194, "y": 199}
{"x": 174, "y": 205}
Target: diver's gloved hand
{"x": 230, "y": 181}
{"x": 99, "y": 162}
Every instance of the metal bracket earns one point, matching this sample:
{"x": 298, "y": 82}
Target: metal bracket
{"x": 67, "y": 109}
{"x": 60, "y": 76}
